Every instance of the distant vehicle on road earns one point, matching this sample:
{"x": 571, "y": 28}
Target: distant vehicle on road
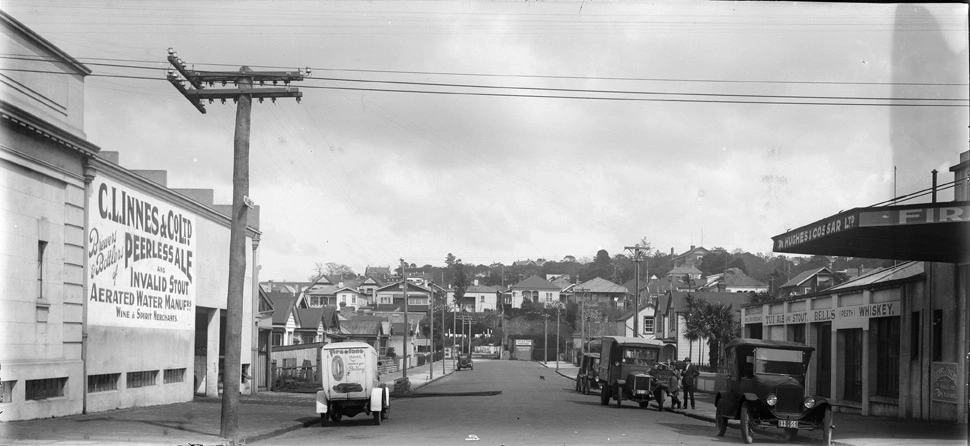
{"x": 351, "y": 383}
{"x": 630, "y": 369}
{"x": 765, "y": 387}
{"x": 465, "y": 362}
{"x": 586, "y": 377}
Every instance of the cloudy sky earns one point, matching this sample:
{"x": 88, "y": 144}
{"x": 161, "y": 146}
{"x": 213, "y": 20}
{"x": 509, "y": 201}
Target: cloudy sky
{"x": 553, "y": 129}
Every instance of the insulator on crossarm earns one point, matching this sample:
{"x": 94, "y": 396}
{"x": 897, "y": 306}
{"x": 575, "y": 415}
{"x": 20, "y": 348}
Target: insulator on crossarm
{"x": 210, "y": 100}
{"x": 274, "y": 100}
{"x": 274, "y": 82}
{"x": 297, "y": 99}
{"x": 260, "y": 100}
{"x": 307, "y": 71}
{"x": 223, "y": 100}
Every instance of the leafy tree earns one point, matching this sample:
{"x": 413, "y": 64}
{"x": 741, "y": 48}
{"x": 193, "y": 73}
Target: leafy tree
{"x": 718, "y": 325}
{"x": 714, "y": 262}
{"x": 461, "y": 280}
{"x": 339, "y": 270}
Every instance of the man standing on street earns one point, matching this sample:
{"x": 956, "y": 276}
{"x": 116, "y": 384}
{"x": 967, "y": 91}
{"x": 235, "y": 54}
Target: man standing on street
{"x": 689, "y": 382}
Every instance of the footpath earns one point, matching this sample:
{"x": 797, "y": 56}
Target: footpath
{"x": 261, "y": 416}
{"x": 850, "y": 429}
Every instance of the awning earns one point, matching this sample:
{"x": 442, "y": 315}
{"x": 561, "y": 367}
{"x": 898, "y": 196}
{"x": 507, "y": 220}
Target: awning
{"x": 933, "y": 232}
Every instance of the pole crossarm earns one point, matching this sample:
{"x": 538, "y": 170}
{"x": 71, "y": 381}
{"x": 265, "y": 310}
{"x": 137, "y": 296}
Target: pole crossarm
{"x": 199, "y": 79}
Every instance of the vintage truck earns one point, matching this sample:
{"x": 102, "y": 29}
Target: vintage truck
{"x": 630, "y": 368}
{"x": 351, "y": 383}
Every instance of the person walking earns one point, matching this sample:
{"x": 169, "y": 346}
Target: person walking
{"x": 689, "y": 382}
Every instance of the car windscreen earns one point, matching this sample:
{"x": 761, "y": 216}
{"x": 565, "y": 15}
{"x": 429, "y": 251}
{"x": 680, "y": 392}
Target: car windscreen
{"x": 639, "y": 355}
{"x": 779, "y": 362}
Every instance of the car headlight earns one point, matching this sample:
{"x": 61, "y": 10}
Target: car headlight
{"x": 771, "y": 399}
{"x": 809, "y": 402}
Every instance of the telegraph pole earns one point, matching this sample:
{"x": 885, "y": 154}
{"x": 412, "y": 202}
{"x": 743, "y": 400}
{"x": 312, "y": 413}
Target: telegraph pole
{"x": 407, "y": 328}
{"x": 636, "y": 293}
{"x": 243, "y": 95}
{"x": 431, "y": 323}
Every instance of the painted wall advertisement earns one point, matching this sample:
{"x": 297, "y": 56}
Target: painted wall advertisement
{"x": 943, "y": 382}
{"x": 141, "y": 260}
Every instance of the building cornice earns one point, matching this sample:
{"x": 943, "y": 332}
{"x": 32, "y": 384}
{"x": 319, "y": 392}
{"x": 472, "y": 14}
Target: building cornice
{"x": 23, "y": 30}
{"x": 15, "y": 116}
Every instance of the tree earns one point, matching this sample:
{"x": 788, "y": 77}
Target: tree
{"x": 461, "y": 280}
{"x": 718, "y": 325}
{"x": 338, "y": 270}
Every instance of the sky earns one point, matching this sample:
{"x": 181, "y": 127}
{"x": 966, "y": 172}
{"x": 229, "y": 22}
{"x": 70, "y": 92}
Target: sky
{"x": 553, "y": 129}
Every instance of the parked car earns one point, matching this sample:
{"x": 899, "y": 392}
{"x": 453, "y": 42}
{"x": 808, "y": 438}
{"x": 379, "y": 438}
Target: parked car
{"x": 586, "y": 377}
{"x": 351, "y": 383}
{"x": 465, "y": 362}
{"x": 630, "y": 369}
{"x": 765, "y": 387}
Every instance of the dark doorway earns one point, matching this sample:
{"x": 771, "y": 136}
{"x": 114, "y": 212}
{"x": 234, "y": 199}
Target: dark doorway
{"x": 823, "y": 362}
{"x": 853, "y": 364}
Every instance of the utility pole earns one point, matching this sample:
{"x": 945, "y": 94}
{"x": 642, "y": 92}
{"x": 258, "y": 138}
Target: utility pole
{"x": 407, "y": 328}
{"x": 443, "y": 334}
{"x": 243, "y": 95}
{"x": 557, "y": 335}
{"x": 545, "y": 346}
{"x": 431, "y": 323}
{"x": 636, "y": 293}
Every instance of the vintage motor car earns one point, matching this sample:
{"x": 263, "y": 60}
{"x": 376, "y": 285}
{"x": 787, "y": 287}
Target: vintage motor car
{"x": 586, "y": 376}
{"x": 630, "y": 369}
{"x": 765, "y": 387}
{"x": 351, "y": 383}
{"x": 465, "y": 362}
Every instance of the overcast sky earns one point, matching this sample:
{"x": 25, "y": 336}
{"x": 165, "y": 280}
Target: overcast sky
{"x": 368, "y": 177}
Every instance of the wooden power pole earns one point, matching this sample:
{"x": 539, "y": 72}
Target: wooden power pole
{"x": 636, "y": 284}
{"x": 243, "y": 94}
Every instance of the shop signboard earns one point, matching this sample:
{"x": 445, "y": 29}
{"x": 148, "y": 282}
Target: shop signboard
{"x": 141, "y": 260}
{"x": 943, "y": 382}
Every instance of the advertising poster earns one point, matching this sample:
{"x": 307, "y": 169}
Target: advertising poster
{"x": 141, "y": 260}
{"x": 944, "y": 381}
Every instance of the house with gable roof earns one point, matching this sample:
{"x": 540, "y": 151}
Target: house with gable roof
{"x": 601, "y": 291}
{"x": 808, "y": 282}
{"x": 479, "y": 298}
{"x": 391, "y": 297}
{"x": 537, "y": 290}
{"x": 284, "y": 318}
{"x": 373, "y": 330}
{"x": 733, "y": 280}
{"x": 692, "y": 257}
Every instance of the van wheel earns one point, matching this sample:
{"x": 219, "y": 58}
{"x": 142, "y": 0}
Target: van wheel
{"x": 377, "y": 417}
{"x": 746, "y": 423}
{"x": 323, "y": 420}
{"x": 618, "y": 395}
{"x": 827, "y": 426}
{"x": 604, "y": 395}
{"x": 659, "y": 396}
{"x": 336, "y": 416}
{"x": 721, "y": 423}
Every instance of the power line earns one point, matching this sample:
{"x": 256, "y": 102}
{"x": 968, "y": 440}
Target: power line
{"x": 604, "y": 98}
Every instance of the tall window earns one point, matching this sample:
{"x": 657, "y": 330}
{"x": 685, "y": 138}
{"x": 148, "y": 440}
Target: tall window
{"x": 41, "y": 247}
{"x": 887, "y": 356}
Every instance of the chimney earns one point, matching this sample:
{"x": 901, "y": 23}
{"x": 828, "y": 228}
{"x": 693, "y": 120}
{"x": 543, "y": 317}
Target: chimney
{"x": 692, "y": 247}
{"x": 671, "y": 250}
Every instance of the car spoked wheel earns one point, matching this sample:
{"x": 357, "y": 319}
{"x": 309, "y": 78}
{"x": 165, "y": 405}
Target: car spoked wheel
{"x": 746, "y": 423}
{"x": 721, "y": 424}
{"x": 827, "y": 426}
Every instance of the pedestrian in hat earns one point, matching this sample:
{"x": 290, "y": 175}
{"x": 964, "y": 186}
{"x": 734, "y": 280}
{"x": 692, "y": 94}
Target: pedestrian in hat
{"x": 689, "y": 382}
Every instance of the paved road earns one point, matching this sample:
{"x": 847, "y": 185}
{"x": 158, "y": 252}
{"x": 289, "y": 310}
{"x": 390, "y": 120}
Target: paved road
{"x": 530, "y": 410}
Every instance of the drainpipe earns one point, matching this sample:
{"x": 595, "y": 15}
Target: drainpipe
{"x": 254, "y": 365}
{"x": 89, "y": 173}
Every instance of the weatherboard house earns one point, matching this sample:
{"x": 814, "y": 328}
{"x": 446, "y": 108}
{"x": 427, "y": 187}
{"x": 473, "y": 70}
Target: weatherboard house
{"x": 114, "y": 285}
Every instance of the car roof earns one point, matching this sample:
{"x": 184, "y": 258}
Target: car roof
{"x": 755, "y": 343}
{"x": 629, "y": 340}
